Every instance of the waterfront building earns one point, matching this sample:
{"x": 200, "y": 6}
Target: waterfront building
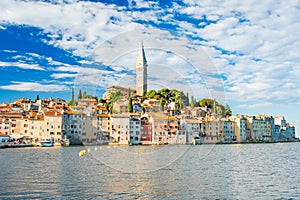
{"x": 290, "y": 132}
{"x": 135, "y": 129}
{"x": 20, "y": 126}
{"x": 73, "y": 121}
{"x": 158, "y": 121}
{"x": 35, "y": 128}
{"x": 53, "y": 125}
{"x": 141, "y": 73}
{"x": 211, "y": 131}
{"x": 119, "y": 130}
{"x": 283, "y": 130}
{"x": 240, "y": 131}
{"x": 5, "y": 126}
{"x": 192, "y": 129}
{"x": 269, "y": 126}
{"x": 103, "y": 124}
{"x": 146, "y": 130}
{"x": 166, "y": 129}
{"x": 261, "y": 127}
{"x": 227, "y": 130}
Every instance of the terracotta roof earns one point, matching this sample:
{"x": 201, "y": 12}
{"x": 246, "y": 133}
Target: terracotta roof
{"x": 53, "y": 113}
{"x": 102, "y": 115}
{"x": 101, "y": 108}
{"x": 3, "y": 135}
{"x": 74, "y": 112}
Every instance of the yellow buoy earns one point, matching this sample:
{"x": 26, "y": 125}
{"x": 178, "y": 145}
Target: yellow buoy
{"x": 89, "y": 150}
{"x": 82, "y": 152}
{"x": 96, "y": 148}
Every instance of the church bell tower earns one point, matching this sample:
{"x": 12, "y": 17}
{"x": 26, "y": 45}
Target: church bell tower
{"x": 141, "y": 72}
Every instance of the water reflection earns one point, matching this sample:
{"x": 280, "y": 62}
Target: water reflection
{"x": 226, "y": 172}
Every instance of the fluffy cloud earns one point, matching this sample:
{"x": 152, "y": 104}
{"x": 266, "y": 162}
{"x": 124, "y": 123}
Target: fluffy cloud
{"x": 35, "y": 87}
{"x": 21, "y": 65}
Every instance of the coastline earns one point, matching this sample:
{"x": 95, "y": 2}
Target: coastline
{"x": 12, "y": 145}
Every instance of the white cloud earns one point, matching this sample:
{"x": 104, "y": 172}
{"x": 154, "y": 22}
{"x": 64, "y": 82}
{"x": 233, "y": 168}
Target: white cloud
{"x": 21, "y": 65}
{"x": 258, "y": 105}
{"x": 63, "y": 75}
{"x": 36, "y": 87}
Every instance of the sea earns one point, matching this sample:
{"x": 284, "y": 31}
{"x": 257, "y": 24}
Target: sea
{"x": 235, "y": 171}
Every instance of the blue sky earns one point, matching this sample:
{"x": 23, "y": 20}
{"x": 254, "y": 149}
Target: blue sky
{"x": 244, "y": 53}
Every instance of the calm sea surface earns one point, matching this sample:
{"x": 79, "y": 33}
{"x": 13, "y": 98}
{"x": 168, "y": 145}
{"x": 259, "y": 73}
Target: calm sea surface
{"x": 249, "y": 171}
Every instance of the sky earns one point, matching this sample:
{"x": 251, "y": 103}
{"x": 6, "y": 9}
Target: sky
{"x": 243, "y": 53}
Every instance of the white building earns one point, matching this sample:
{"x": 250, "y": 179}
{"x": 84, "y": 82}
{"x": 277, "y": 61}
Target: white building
{"x": 119, "y": 131}
{"x": 192, "y": 128}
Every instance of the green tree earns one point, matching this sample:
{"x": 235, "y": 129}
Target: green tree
{"x": 84, "y": 96}
{"x": 130, "y": 107}
{"x": 150, "y": 94}
{"x": 102, "y": 101}
{"x": 196, "y": 103}
{"x": 129, "y": 93}
{"x": 114, "y": 97}
{"x": 72, "y": 103}
{"x": 228, "y": 112}
{"x": 188, "y": 99}
{"x": 192, "y": 104}
{"x": 161, "y": 104}
{"x": 37, "y": 98}
{"x": 79, "y": 96}
{"x": 206, "y": 102}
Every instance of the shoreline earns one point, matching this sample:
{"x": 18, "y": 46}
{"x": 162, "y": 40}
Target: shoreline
{"x": 6, "y": 145}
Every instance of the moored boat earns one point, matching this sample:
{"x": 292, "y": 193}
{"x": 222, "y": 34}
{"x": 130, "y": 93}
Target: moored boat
{"x": 197, "y": 141}
{"x": 65, "y": 142}
{"x": 47, "y": 142}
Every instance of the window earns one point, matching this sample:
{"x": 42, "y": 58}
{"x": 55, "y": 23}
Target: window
{"x": 51, "y": 133}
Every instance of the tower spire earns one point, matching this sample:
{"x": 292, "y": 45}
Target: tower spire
{"x": 141, "y": 72}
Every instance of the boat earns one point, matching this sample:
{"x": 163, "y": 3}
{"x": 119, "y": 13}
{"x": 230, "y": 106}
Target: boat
{"x": 47, "y": 142}
{"x": 65, "y": 142}
{"x": 197, "y": 141}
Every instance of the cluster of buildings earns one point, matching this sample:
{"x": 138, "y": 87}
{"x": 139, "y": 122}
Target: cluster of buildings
{"x": 91, "y": 123}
